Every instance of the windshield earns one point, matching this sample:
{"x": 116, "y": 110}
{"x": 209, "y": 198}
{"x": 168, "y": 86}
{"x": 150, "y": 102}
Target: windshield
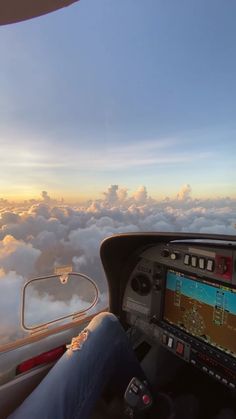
{"x": 115, "y": 117}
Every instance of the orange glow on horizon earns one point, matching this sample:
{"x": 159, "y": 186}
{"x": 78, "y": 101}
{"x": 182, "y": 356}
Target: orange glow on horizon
{"x": 81, "y": 198}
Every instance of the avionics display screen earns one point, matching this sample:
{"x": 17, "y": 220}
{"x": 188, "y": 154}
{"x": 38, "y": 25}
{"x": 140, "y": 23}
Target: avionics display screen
{"x": 205, "y": 310}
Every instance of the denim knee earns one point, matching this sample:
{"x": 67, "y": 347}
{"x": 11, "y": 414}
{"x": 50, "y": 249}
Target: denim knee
{"x": 106, "y": 319}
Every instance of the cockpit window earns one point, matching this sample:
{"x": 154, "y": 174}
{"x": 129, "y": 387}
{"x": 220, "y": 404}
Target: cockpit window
{"x": 58, "y": 298}
{"x": 114, "y": 117}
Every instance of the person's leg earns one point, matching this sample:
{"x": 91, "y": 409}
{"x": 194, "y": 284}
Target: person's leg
{"x": 74, "y": 384}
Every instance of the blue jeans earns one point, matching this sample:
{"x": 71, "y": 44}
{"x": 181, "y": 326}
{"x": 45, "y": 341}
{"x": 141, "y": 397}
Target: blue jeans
{"x": 72, "y": 387}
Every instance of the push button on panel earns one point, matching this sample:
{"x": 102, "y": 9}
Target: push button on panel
{"x": 201, "y": 263}
{"x": 180, "y": 348}
{"x": 146, "y": 399}
{"x": 194, "y": 261}
{"x": 187, "y": 259}
{"x": 210, "y": 265}
{"x": 170, "y": 342}
{"x": 134, "y": 388}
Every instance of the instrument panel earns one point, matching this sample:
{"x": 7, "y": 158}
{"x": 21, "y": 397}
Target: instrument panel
{"x": 183, "y": 295}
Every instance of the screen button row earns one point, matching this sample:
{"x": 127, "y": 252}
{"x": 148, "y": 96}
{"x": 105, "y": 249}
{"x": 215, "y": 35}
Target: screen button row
{"x": 215, "y": 375}
{"x": 218, "y": 377}
{"x": 199, "y": 262}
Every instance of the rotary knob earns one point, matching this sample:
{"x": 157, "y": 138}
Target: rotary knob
{"x": 141, "y": 284}
{"x": 174, "y": 255}
{"x": 165, "y": 253}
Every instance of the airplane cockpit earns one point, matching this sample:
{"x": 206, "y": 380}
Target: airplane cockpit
{"x": 176, "y": 295}
{"x": 173, "y": 293}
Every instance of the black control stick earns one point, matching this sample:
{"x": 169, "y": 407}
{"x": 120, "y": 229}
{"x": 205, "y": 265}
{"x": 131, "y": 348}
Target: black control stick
{"x": 138, "y": 398}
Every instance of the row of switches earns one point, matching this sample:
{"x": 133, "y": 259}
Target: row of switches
{"x": 200, "y": 262}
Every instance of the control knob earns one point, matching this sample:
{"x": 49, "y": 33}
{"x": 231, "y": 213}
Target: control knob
{"x": 174, "y": 255}
{"x": 165, "y": 253}
{"x": 141, "y": 284}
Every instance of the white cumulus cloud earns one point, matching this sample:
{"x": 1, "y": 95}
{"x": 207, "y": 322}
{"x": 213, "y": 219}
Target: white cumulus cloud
{"x": 37, "y": 236}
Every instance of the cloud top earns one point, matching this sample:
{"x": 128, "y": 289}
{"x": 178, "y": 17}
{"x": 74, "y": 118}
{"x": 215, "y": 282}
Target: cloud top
{"x": 37, "y": 236}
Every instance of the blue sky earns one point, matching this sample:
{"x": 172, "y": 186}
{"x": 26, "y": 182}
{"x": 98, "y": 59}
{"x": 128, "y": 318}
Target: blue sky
{"x": 126, "y": 92}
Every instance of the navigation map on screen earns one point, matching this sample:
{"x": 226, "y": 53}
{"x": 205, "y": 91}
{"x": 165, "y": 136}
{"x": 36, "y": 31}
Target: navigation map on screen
{"x": 202, "y": 309}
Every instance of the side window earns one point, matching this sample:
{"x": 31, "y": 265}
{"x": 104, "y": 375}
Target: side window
{"x": 44, "y": 303}
{"x": 57, "y": 299}
{"x": 47, "y": 241}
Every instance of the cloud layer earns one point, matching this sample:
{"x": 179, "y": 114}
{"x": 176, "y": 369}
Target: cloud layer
{"x": 38, "y": 236}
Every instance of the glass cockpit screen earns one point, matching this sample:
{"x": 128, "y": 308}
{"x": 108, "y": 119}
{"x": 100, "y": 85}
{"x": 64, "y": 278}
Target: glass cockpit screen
{"x": 203, "y": 309}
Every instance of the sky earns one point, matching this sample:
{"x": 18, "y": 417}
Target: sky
{"x": 123, "y": 93}
{"x": 115, "y": 116}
